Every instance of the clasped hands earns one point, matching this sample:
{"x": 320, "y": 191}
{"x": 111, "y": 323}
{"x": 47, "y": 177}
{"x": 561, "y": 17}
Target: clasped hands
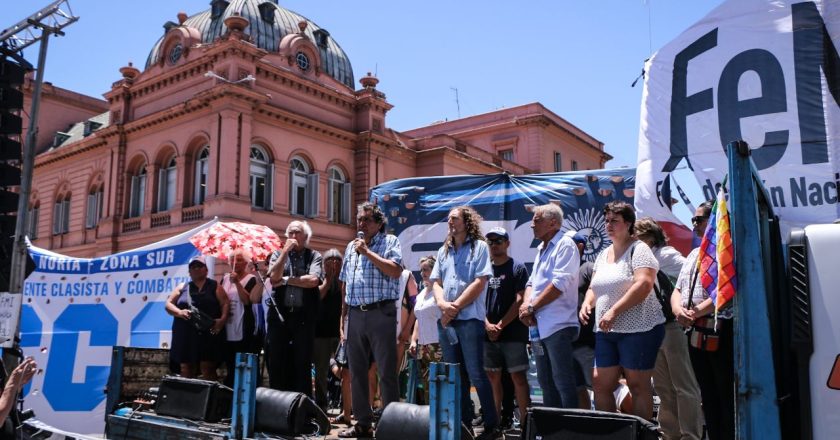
{"x": 527, "y": 316}
{"x": 448, "y": 312}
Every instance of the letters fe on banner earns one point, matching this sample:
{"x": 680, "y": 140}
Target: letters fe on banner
{"x": 76, "y": 309}
{"x": 766, "y": 72}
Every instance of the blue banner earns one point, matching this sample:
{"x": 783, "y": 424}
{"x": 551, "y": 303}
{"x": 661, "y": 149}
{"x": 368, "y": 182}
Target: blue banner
{"x": 417, "y": 208}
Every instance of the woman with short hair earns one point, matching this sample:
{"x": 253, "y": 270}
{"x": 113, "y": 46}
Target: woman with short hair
{"x": 239, "y": 285}
{"x": 628, "y": 318}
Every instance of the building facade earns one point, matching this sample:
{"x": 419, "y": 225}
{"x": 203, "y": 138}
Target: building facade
{"x": 248, "y": 112}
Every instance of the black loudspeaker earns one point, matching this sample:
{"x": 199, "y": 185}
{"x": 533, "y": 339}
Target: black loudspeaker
{"x": 404, "y": 421}
{"x": 578, "y": 424}
{"x": 407, "y": 421}
{"x": 193, "y": 399}
{"x": 289, "y": 413}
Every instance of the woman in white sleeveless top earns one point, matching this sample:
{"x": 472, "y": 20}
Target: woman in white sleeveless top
{"x": 424, "y": 339}
{"x": 239, "y": 286}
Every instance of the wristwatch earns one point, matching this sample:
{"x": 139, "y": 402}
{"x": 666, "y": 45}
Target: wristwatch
{"x": 530, "y": 309}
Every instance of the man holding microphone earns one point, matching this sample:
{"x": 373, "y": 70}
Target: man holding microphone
{"x": 370, "y": 275}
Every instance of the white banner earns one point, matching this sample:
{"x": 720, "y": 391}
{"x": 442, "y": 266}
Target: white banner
{"x": 76, "y": 309}
{"x": 766, "y": 72}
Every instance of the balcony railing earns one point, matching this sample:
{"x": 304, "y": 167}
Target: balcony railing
{"x": 131, "y": 224}
{"x": 161, "y": 219}
{"x": 191, "y": 214}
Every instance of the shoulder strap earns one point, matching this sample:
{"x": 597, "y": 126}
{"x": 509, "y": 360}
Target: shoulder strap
{"x": 695, "y": 273}
{"x": 185, "y": 288}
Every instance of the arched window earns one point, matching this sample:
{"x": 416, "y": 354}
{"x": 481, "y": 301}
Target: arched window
{"x": 339, "y": 197}
{"x": 94, "y": 206}
{"x": 61, "y": 214}
{"x": 202, "y": 165}
{"x": 261, "y": 172}
{"x": 137, "y": 198}
{"x": 304, "y": 188}
{"x": 167, "y": 185}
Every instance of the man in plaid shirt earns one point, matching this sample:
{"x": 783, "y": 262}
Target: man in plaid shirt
{"x": 370, "y": 276}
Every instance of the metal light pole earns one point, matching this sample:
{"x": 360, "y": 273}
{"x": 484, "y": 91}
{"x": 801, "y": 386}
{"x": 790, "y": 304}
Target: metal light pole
{"x": 18, "y": 268}
{"x": 49, "y": 20}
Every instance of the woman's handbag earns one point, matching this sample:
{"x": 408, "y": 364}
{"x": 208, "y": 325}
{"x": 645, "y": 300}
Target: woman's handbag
{"x": 200, "y": 320}
{"x": 703, "y": 335}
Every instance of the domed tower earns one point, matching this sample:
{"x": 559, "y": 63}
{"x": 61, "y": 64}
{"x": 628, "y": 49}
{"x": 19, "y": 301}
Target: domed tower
{"x": 247, "y": 111}
{"x": 268, "y": 25}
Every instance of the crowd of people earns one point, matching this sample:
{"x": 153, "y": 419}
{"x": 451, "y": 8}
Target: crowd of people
{"x": 606, "y": 334}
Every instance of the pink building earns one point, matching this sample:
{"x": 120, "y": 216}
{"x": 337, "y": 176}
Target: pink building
{"x": 248, "y": 111}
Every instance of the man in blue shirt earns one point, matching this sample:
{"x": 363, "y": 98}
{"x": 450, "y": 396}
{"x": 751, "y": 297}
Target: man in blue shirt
{"x": 550, "y": 307}
{"x": 460, "y": 285}
{"x": 370, "y": 275}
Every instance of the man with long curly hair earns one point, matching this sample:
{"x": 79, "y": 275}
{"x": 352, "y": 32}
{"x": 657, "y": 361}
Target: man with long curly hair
{"x": 460, "y": 286}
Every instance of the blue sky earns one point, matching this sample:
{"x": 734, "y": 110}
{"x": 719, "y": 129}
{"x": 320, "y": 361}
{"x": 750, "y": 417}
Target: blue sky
{"x": 578, "y": 58}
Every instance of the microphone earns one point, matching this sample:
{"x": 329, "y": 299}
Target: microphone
{"x": 360, "y": 236}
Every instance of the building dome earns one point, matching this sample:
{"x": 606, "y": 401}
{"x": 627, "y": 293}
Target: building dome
{"x": 269, "y": 23}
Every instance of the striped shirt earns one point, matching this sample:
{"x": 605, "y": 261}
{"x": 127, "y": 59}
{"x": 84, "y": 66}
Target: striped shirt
{"x": 365, "y": 283}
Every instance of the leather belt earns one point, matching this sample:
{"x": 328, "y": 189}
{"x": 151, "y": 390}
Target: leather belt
{"x": 374, "y": 306}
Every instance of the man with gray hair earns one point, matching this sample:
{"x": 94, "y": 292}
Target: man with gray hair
{"x": 549, "y": 307}
{"x": 295, "y": 272}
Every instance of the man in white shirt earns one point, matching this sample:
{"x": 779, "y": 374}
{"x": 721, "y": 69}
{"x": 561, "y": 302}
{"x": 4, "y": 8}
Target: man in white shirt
{"x": 549, "y": 307}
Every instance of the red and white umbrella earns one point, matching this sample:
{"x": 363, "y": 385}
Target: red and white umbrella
{"x": 223, "y": 238}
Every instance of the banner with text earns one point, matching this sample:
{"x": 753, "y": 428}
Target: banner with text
{"x": 766, "y": 72}
{"x": 76, "y": 309}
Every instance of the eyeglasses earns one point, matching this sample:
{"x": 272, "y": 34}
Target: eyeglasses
{"x": 364, "y": 219}
{"x": 699, "y": 219}
{"x": 496, "y": 240}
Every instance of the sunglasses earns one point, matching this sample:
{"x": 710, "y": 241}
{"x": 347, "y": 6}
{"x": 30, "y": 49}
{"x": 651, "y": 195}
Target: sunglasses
{"x": 699, "y": 219}
{"x": 496, "y": 240}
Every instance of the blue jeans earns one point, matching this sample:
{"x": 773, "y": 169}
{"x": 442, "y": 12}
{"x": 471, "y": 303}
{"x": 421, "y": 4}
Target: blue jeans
{"x": 556, "y": 370}
{"x": 469, "y": 353}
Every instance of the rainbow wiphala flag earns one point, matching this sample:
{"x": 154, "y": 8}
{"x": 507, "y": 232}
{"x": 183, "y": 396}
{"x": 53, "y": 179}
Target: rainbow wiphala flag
{"x": 716, "y": 260}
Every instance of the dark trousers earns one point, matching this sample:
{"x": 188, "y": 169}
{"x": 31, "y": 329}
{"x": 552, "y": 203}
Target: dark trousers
{"x": 715, "y": 372}
{"x": 508, "y": 393}
{"x": 246, "y": 345}
{"x": 373, "y": 331}
{"x": 290, "y": 353}
{"x": 324, "y": 350}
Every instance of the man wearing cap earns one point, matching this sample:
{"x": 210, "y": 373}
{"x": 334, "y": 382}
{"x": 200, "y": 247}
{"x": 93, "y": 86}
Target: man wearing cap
{"x": 550, "y": 307}
{"x": 295, "y": 273}
{"x": 193, "y": 347}
{"x": 507, "y": 338}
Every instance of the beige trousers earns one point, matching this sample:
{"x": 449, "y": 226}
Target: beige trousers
{"x": 680, "y": 415}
